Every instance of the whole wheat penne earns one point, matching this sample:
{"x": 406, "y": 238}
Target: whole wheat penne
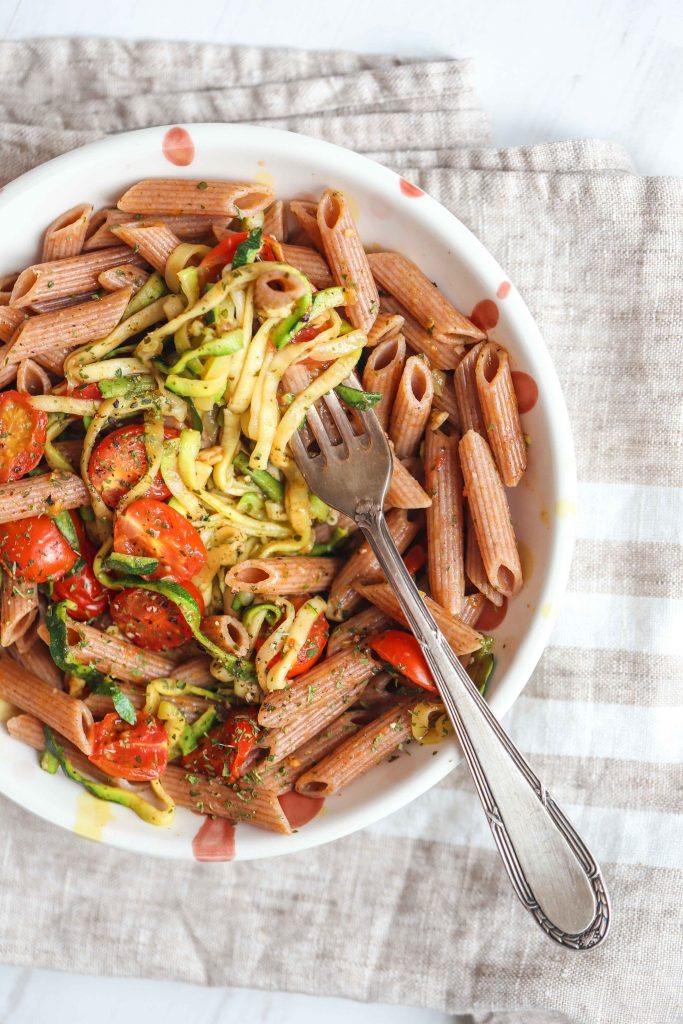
{"x": 474, "y": 567}
{"x": 30, "y": 730}
{"x": 411, "y": 408}
{"x": 275, "y": 221}
{"x": 153, "y": 239}
{"x": 177, "y": 195}
{"x": 189, "y": 227}
{"x": 445, "y": 527}
{"x": 114, "y": 656}
{"x": 444, "y": 396}
{"x": 66, "y": 235}
{"x": 466, "y": 393}
{"x": 282, "y": 775}
{"x": 490, "y": 515}
{"x": 307, "y": 215}
{"x": 310, "y": 263}
{"x": 191, "y": 705}
{"x": 472, "y": 607}
{"x": 347, "y": 258}
{"x": 50, "y": 305}
{"x": 383, "y": 372}
{"x": 54, "y": 707}
{"x": 18, "y": 608}
{"x": 228, "y": 633}
{"x": 53, "y": 359}
{"x": 8, "y": 371}
{"x": 8, "y": 281}
{"x": 355, "y": 630}
{"x": 59, "y": 279}
{"x": 119, "y": 277}
{"x": 404, "y": 490}
{"x": 37, "y": 659}
{"x": 360, "y": 752}
{"x": 195, "y": 672}
{"x": 288, "y": 574}
{"x": 403, "y": 279}
{"x": 41, "y": 495}
{"x": 11, "y": 317}
{"x": 363, "y": 565}
{"x": 500, "y": 413}
{"x": 98, "y": 235}
{"x": 312, "y": 700}
{"x": 32, "y": 378}
{"x": 385, "y": 326}
{"x": 462, "y": 638}
{"x": 242, "y": 802}
{"x": 68, "y": 328}
{"x": 444, "y": 353}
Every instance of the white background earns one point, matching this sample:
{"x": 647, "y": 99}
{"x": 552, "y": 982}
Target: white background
{"x": 546, "y": 70}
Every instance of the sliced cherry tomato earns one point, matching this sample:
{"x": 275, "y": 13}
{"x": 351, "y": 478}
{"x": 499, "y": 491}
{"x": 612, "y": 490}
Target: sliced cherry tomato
{"x": 402, "y": 651}
{"x": 311, "y": 650}
{"x": 82, "y": 587}
{"x": 224, "y": 252}
{"x": 414, "y": 558}
{"x": 91, "y": 391}
{"x": 22, "y": 435}
{"x": 148, "y": 527}
{"x": 137, "y": 752}
{"x": 226, "y": 750}
{"x": 309, "y": 333}
{"x": 34, "y": 549}
{"x": 120, "y": 460}
{"x": 150, "y": 620}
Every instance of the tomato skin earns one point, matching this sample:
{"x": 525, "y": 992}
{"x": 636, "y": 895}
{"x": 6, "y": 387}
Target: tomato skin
{"x": 151, "y": 620}
{"x": 119, "y": 461}
{"x": 309, "y": 333}
{"x": 414, "y": 558}
{"x": 312, "y": 648}
{"x": 224, "y": 253}
{"x": 137, "y": 752}
{"x": 23, "y": 430}
{"x": 148, "y": 527}
{"x": 82, "y": 588}
{"x": 402, "y": 651}
{"x": 226, "y": 749}
{"x": 91, "y": 391}
{"x": 33, "y": 549}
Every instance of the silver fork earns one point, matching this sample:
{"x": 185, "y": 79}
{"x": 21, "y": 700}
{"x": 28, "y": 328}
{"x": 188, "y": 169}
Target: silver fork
{"x": 550, "y": 867}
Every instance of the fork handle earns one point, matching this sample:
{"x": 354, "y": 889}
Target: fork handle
{"x": 550, "y": 868}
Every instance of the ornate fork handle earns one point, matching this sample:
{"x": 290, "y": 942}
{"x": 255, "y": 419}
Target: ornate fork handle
{"x": 551, "y": 869}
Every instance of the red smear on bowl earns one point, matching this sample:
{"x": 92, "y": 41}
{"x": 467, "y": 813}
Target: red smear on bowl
{"x": 492, "y": 616}
{"x": 410, "y": 190}
{"x": 178, "y": 147}
{"x": 299, "y": 809}
{"x": 215, "y": 840}
{"x": 485, "y": 315}
{"x": 526, "y": 390}
{"x": 503, "y": 290}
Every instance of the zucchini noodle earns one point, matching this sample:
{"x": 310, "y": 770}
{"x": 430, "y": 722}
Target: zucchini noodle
{"x": 429, "y": 723}
{"x": 297, "y": 634}
{"x": 274, "y": 643}
{"x": 53, "y": 456}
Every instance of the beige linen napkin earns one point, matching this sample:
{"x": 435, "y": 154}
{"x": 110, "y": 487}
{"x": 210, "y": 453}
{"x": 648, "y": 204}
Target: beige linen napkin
{"x": 417, "y": 909}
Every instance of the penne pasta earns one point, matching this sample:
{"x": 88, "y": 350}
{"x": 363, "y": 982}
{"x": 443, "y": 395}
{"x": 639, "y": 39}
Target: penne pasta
{"x": 191, "y": 705}
{"x": 41, "y": 495}
{"x": 57, "y": 709}
{"x": 500, "y": 413}
{"x": 30, "y": 730}
{"x": 35, "y": 657}
{"x": 474, "y": 567}
{"x": 411, "y": 408}
{"x": 403, "y": 279}
{"x": 444, "y": 397}
{"x": 181, "y": 196}
{"x": 445, "y": 527}
{"x": 382, "y": 373}
{"x": 275, "y": 222}
{"x": 114, "y": 656}
{"x": 242, "y": 802}
{"x": 121, "y": 277}
{"x": 310, "y": 263}
{"x": 18, "y": 609}
{"x": 62, "y": 279}
{"x": 387, "y": 325}
{"x": 354, "y": 631}
{"x": 363, "y": 565}
{"x": 32, "y": 378}
{"x": 306, "y": 214}
{"x": 404, "y": 490}
{"x": 467, "y": 394}
{"x": 11, "y": 317}
{"x": 153, "y": 239}
{"x": 461, "y": 637}
{"x": 188, "y": 227}
{"x": 66, "y": 235}
{"x": 347, "y": 259}
{"x": 282, "y": 575}
{"x": 72, "y": 327}
{"x": 282, "y": 775}
{"x": 490, "y": 515}
{"x": 444, "y": 353}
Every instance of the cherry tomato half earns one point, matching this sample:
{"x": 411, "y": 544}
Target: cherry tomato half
{"x": 311, "y": 650}
{"x": 224, "y": 252}
{"x": 34, "y": 549}
{"x": 309, "y": 333}
{"x": 137, "y": 752}
{"x": 120, "y": 460}
{"x": 151, "y": 620}
{"x": 402, "y": 651}
{"x": 82, "y": 587}
{"x": 91, "y": 391}
{"x": 22, "y": 435}
{"x": 148, "y": 527}
{"x": 227, "y": 749}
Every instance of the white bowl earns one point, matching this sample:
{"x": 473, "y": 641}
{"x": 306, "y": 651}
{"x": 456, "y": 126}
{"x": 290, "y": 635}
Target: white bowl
{"x": 391, "y": 215}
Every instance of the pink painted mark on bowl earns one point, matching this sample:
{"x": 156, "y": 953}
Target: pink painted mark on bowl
{"x": 178, "y": 147}
{"x": 215, "y": 840}
{"x": 410, "y": 190}
{"x": 526, "y": 390}
{"x": 485, "y": 315}
{"x": 503, "y": 290}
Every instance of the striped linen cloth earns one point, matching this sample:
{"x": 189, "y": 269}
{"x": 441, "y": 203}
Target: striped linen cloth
{"x": 416, "y": 909}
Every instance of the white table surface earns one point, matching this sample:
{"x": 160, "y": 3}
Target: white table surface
{"x": 608, "y": 68}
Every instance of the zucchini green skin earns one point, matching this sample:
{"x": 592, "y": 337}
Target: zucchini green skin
{"x": 271, "y": 487}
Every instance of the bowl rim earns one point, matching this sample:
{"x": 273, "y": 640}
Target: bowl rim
{"x": 560, "y": 446}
